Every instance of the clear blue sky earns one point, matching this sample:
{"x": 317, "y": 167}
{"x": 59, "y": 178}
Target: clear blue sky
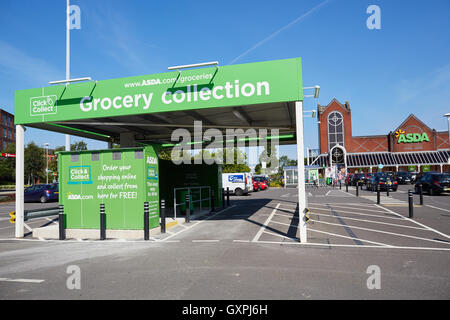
{"x": 385, "y": 74}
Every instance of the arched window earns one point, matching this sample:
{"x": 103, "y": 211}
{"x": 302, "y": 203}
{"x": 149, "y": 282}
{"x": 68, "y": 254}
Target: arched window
{"x": 335, "y": 129}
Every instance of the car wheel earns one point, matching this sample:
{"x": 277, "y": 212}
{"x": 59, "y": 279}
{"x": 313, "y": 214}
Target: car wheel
{"x": 43, "y": 199}
{"x": 239, "y": 192}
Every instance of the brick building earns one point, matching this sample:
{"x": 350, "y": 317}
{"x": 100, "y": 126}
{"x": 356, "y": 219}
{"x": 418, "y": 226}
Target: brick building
{"x": 411, "y": 146}
{"x": 7, "y": 129}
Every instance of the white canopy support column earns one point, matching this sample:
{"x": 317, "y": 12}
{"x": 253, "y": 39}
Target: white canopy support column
{"x": 20, "y": 164}
{"x": 300, "y": 171}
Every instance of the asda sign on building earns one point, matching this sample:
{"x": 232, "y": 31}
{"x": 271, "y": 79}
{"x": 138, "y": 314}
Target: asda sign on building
{"x": 236, "y": 85}
{"x": 403, "y": 137}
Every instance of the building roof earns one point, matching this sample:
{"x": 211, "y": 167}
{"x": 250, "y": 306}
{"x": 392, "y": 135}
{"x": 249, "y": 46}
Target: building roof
{"x": 392, "y": 159}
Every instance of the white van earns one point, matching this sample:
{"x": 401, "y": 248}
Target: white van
{"x": 239, "y": 183}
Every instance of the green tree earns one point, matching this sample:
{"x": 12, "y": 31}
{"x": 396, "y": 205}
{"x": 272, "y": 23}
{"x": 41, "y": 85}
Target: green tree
{"x": 8, "y": 165}
{"x": 237, "y": 164}
{"x": 78, "y": 146}
{"x": 34, "y": 163}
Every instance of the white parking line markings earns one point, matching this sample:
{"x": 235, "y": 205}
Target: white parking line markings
{"x": 420, "y": 224}
{"x": 359, "y": 213}
{"x": 437, "y": 208}
{"x": 266, "y": 223}
{"x": 22, "y": 280}
{"x": 379, "y": 231}
{"x": 352, "y": 238}
{"x": 370, "y": 221}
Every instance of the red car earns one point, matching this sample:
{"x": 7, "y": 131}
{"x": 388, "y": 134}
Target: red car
{"x": 256, "y": 185}
{"x": 259, "y": 184}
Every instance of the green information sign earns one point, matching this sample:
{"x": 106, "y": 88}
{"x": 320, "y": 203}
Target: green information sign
{"x": 235, "y": 85}
{"x": 122, "y": 179}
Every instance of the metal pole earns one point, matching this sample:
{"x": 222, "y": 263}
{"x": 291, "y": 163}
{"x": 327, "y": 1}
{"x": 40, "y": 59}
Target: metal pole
{"x": 346, "y": 186}
{"x": 410, "y": 204}
{"x": 163, "y": 216}
{"x": 421, "y": 194}
{"x": 223, "y": 198}
{"x": 387, "y": 191}
{"x": 102, "y": 222}
{"x": 378, "y": 194}
{"x": 228, "y": 196}
{"x": 146, "y": 221}
{"x": 62, "y": 230}
{"x": 20, "y": 165}
{"x": 301, "y": 171}
{"x": 212, "y": 201}
{"x": 46, "y": 158}
{"x": 357, "y": 188}
{"x": 187, "y": 218}
{"x": 68, "y": 58}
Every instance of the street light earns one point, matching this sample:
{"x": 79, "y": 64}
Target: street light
{"x": 316, "y": 92}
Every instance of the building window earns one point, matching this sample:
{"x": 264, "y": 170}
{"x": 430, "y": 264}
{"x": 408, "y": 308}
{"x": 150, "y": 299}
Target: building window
{"x": 335, "y": 129}
{"x": 4, "y": 133}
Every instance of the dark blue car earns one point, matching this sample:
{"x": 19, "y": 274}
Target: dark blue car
{"x": 41, "y": 193}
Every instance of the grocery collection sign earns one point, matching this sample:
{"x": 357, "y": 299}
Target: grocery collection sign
{"x": 236, "y": 85}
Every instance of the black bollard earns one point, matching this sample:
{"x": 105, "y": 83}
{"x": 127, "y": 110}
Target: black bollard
{"x": 146, "y": 221}
{"x": 378, "y": 194}
{"x": 102, "y": 222}
{"x": 212, "y": 201}
{"x": 62, "y": 230}
{"x": 163, "y": 216}
{"x": 228, "y": 196}
{"x": 421, "y": 194}
{"x": 346, "y": 186}
{"x": 357, "y": 188}
{"x": 187, "y": 218}
{"x": 223, "y": 198}
{"x": 410, "y": 204}
{"x": 387, "y": 191}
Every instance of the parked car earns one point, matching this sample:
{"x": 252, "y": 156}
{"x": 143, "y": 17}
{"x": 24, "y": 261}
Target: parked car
{"x": 434, "y": 183}
{"x": 382, "y": 180}
{"x": 256, "y": 185}
{"x": 358, "y": 178}
{"x": 404, "y": 177}
{"x": 42, "y": 193}
{"x": 262, "y": 181}
{"x": 240, "y": 183}
{"x": 367, "y": 177}
{"x": 414, "y": 176}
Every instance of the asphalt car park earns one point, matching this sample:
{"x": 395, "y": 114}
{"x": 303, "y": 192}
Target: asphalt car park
{"x": 250, "y": 250}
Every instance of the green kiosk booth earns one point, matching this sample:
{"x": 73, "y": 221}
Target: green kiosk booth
{"x": 123, "y": 180}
